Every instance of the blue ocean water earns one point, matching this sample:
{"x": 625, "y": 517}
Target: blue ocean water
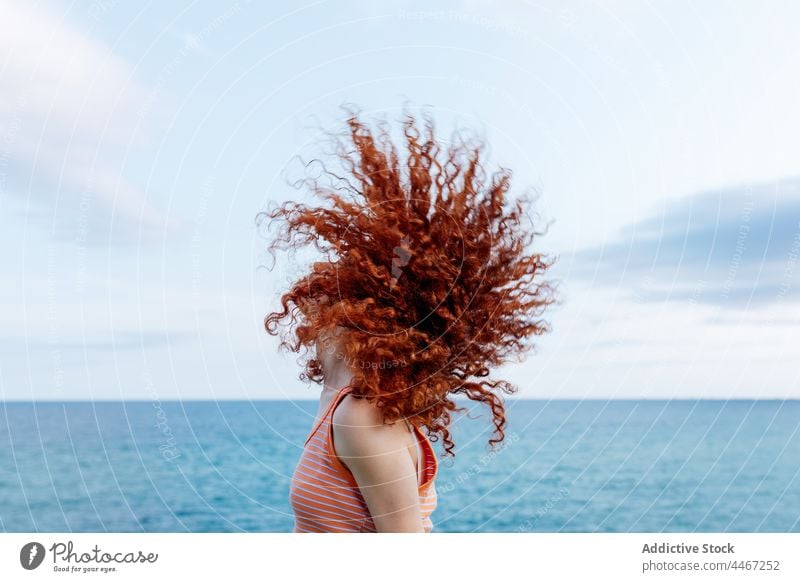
{"x": 567, "y": 466}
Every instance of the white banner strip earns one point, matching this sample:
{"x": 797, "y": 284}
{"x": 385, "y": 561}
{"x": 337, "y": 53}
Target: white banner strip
{"x": 354, "y": 557}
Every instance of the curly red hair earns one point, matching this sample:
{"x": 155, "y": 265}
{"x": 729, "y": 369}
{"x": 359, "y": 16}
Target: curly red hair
{"x": 428, "y": 269}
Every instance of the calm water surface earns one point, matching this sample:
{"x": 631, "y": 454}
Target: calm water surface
{"x": 567, "y": 466}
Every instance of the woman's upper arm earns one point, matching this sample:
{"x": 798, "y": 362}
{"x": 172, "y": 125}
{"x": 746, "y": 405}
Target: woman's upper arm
{"x": 377, "y": 456}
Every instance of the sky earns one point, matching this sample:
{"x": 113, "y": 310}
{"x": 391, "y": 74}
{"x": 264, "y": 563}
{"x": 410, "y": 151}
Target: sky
{"x": 138, "y": 141}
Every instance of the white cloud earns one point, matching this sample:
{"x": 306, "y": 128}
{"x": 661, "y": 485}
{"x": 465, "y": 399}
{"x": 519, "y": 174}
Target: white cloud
{"x": 68, "y": 107}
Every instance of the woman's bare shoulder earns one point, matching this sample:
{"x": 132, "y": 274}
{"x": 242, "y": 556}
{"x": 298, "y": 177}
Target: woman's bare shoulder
{"x": 358, "y": 412}
{"x": 360, "y": 428}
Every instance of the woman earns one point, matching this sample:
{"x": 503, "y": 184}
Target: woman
{"x": 427, "y": 284}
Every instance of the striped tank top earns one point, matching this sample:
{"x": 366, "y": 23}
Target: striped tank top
{"x": 324, "y": 493}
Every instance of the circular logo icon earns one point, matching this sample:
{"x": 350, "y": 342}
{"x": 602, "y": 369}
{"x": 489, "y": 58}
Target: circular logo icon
{"x": 31, "y": 555}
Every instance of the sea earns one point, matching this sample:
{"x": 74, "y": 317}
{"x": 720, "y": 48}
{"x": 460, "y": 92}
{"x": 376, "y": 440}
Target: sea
{"x": 565, "y": 466}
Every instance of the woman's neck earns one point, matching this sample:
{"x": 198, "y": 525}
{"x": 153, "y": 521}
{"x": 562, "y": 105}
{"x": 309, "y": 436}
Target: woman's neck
{"x": 336, "y": 375}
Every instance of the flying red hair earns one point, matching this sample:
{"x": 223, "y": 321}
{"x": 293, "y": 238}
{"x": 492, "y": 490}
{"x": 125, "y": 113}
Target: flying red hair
{"x": 427, "y": 267}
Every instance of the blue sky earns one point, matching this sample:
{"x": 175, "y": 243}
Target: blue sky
{"x": 139, "y": 140}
